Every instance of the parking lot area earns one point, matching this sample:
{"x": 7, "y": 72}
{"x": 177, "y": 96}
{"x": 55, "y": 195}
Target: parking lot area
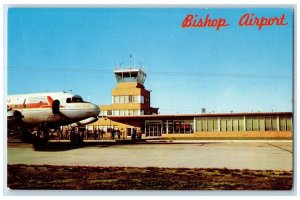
{"x": 272, "y": 155}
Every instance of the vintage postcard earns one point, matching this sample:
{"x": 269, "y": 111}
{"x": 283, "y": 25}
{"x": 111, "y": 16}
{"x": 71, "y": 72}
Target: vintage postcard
{"x": 194, "y": 98}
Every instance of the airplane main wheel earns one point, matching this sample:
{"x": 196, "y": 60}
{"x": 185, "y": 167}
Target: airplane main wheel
{"x": 76, "y": 139}
{"x": 40, "y": 144}
{"x": 26, "y": 137}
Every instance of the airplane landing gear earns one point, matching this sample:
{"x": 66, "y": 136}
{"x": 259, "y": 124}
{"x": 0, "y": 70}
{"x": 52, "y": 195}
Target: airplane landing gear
{"x": 76, "y": 139}
{"x": 26, "y": 137}
{"x": 40, "y": 138}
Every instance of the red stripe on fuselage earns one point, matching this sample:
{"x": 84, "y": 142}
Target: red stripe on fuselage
{"x": 29, "y": 105}
{"x": 33, "y": 105}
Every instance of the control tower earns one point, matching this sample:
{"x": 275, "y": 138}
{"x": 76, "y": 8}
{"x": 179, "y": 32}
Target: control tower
{"x": 130, "y": 97}
{"x": 130, "y": 75}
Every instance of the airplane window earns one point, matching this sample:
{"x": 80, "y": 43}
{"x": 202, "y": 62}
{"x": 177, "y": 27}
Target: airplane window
{"x": 68, "y": 100}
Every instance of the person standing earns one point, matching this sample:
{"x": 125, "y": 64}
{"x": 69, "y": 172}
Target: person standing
{"x": 113, "y": 134}
{"x": 139, "y": 135}
{"x": 101, "y": 133}
{"x": 95, "y": 134}
{"x": 119, "y": 134}
{"x": 133, "y": 136}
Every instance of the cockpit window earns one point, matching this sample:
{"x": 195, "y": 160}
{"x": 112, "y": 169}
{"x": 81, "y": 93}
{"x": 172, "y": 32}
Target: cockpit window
{"x": 77, "y": 98}
{"x": 74, "y": 99}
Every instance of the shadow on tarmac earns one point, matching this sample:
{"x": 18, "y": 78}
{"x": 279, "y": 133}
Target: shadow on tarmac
{"x": 41, "y": 145}
{"x": 66, "y": 146}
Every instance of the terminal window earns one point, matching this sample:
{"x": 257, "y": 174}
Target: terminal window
{"x": 261, "y": 123}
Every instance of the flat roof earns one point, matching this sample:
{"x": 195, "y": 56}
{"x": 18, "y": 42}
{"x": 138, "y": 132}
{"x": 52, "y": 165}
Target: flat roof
{"x": 191, "y": 116}
{"x": 125, "y": 70}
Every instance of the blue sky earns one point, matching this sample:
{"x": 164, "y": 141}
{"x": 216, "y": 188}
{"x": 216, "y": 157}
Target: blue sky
{"x": 239, "y": 69}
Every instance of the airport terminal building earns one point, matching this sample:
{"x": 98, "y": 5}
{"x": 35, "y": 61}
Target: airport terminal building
{"x": 131, "y": 111}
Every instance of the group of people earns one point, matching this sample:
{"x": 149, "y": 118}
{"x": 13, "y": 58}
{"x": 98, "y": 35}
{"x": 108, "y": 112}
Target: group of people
{"x": 114, "y": 133}
{"x": 96, "y": 134}
{"x": 136, "y": 134}
{"x": 85, "y": 134}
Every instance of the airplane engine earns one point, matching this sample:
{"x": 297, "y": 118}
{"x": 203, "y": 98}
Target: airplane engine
{"x": 84, "y": 122}
{"x": 14, "y": 118}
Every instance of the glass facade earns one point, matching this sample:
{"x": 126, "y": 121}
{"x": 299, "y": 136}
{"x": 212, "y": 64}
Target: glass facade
{"x": 261, "y": 124}
{"x": 219, "y": 124}
{"x": 247, "y": 123}
{"x": 289, "y": 126}
{"x": 158, "y": 127}
{"x": 235, "y": 124}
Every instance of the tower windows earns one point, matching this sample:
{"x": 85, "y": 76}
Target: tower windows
{"x": 128, "y": 99}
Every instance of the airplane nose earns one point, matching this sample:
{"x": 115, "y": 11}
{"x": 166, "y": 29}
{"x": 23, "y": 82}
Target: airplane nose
{"x": 96, "y": 110}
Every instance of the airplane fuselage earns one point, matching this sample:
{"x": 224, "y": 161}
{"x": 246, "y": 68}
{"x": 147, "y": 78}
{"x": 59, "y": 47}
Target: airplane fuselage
{"x": 51, "y": 109}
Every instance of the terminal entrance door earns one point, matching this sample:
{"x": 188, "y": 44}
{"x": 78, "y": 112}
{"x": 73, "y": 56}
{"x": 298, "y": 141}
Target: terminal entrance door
{"x": 153, "y": 128}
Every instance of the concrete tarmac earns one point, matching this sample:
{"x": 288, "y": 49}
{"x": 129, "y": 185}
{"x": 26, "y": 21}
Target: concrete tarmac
{"x": 261, "y": 155}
